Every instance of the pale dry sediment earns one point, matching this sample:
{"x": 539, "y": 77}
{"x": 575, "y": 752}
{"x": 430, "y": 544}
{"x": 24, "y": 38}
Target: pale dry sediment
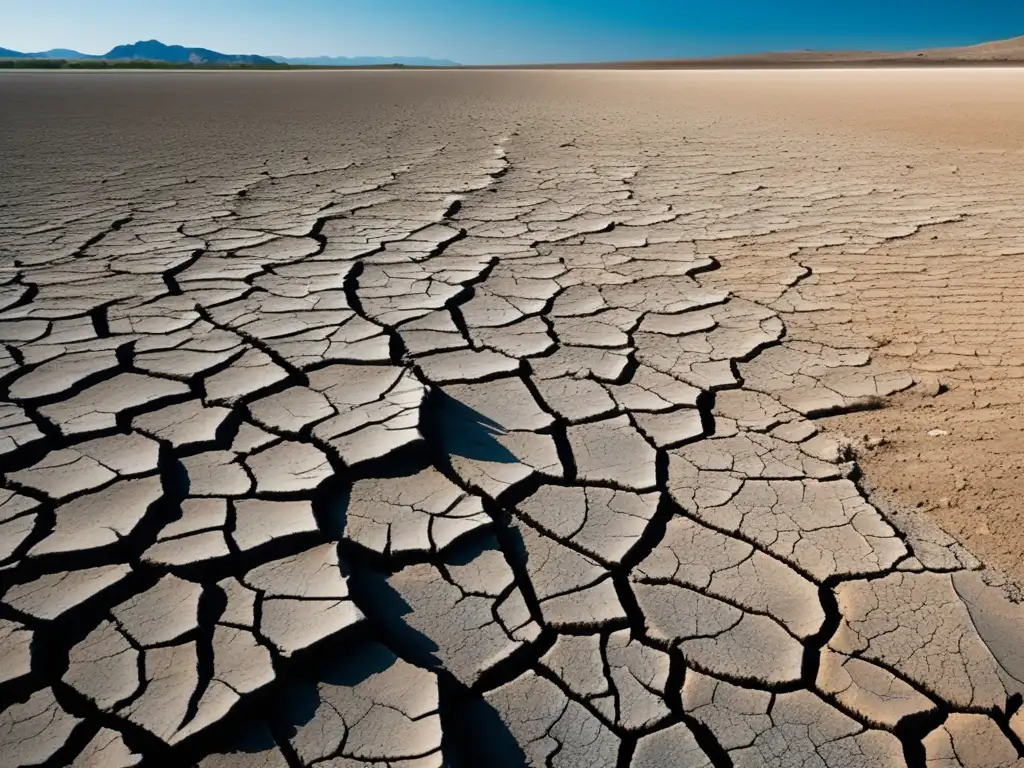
{"x": 462, "y": 418}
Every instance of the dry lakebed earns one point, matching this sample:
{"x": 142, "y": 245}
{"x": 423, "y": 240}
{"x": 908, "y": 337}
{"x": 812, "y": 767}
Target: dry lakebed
{"x": 570, "y": 419}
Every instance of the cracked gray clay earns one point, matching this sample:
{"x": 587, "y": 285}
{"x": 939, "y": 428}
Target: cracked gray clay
{"x": 468, "y": 422}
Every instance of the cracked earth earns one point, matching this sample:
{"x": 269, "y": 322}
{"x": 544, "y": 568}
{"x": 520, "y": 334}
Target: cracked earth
{"x": 408, "y": 420}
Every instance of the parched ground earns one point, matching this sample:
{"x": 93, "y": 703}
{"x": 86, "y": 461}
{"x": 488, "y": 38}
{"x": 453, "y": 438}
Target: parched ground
{"x": 563, "y": 419}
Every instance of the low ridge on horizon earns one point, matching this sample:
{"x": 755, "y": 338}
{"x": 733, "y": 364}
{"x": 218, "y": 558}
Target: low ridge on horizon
{"x": 1005, "y": 50}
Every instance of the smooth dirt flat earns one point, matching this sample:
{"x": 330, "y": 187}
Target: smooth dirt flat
{"x": 511, "y": 418}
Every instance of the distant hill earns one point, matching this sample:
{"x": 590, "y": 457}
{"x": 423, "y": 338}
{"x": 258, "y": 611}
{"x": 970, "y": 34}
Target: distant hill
{"x": 145, "y": 50}
{"x": 364, "y": 61}
{"x": 154, "y": 50}
{"x": 60, "y": 53}
{"x": 999, "y": 50}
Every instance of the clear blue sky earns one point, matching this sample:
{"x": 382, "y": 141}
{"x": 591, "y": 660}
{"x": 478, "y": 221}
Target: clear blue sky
{"x": 507, "y": 31}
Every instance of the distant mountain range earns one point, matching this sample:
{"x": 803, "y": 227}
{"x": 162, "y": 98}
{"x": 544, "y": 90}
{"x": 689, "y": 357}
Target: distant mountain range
{"x": 7, "y": 53}
{"x": 154, "y": 50}
{"x": 56, "y": 53}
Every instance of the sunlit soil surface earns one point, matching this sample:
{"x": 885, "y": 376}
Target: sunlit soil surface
{"x": 421, "y": 419}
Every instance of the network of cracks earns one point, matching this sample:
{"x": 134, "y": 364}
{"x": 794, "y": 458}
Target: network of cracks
{"x": 450, "y": 458}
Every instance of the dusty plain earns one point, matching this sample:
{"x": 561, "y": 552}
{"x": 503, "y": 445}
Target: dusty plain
{"x": 512, "y": 418}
